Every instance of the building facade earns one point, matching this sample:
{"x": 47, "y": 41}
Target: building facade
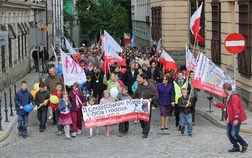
{"x": 170, "y": 21}
{"x": 16, "y": 17}
{"x": 140, "y": 15}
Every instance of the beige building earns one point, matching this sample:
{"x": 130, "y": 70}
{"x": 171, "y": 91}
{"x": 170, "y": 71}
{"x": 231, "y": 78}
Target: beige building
{"x": 219, "y": 18}
{"x": 16, "y": 17}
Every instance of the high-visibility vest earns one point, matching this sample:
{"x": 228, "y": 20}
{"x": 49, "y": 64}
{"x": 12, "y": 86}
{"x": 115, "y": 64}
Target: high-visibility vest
{"x": 177, "y": 89}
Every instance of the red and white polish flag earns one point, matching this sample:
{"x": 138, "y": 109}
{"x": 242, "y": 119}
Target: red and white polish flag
{"x": 195, "y": 24}
{"x": 167, "y": 61}
{"x": 127, "y": 40}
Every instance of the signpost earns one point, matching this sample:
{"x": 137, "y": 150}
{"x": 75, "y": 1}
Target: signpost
{"x": 234, "y": 44}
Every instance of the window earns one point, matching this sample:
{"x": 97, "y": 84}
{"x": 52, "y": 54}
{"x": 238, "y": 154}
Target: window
{"x": 216, "y": 32}
{"x": 21, "y": 43}
{"x": 156, "y": 28}
{"x": 202, "y": 22}
{"x": 244, "y": 58}
{"x": 12, "y": 35}
{"x": 3, "y": 28}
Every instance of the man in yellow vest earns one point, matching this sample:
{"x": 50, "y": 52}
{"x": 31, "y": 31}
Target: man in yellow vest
{"x": 179, "y": 83}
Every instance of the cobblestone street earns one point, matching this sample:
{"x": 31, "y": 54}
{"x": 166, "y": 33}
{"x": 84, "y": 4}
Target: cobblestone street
{"x": 207, "y": 141}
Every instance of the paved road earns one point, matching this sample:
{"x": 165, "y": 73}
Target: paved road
{"x": 207, "y": 141}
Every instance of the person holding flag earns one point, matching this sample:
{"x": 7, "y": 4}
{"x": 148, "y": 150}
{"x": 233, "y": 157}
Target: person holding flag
{"x": 179, "y": 83}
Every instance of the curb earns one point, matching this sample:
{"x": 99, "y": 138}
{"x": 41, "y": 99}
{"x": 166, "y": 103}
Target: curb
{"x": 5, "y": 134}
{"x": 218, "y": 123}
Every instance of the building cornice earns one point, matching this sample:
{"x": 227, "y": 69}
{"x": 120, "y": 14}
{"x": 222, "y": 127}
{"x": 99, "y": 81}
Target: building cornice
{"x": 25, "y": 5}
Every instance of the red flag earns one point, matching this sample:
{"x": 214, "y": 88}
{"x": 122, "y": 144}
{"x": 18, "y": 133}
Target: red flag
{"x": 168, "y": 62}
{"x": 126, "y": 39}
{"x": 195, "y": 24}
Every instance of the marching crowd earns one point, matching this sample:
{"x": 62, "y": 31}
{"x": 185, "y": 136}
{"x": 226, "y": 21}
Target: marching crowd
{"x": 142, "y": 77}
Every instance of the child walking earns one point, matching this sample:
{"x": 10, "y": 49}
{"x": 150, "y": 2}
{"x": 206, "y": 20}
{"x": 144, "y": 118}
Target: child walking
{"x": 55, "y": 108}
{"x": 124, "y": 127}
{"x": 185, "y": 113}
{"x": 22, "y": 98}
{"x": 65, "y": 118}
{"x": 107, "y": 99}
{"x": 91, "y": 102}
{"x": 77, "y": 99}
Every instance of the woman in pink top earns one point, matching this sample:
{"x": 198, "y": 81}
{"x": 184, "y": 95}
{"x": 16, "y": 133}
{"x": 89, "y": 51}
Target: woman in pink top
{"x": 107, "y": 99}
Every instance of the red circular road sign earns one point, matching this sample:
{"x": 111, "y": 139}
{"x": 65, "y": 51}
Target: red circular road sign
{"x": 234, "y": 43}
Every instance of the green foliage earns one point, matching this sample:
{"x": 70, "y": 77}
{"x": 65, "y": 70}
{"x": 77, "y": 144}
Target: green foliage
{"x": 107, "y": 15}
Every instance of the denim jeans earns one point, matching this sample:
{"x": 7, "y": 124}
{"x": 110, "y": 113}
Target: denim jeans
{"x": 57, "y": 114}
{"x": 233, "y": 135}
{"x": 22, "y": 123}
{"x": 186, "y": 119}
{"x": 42, "y": 117}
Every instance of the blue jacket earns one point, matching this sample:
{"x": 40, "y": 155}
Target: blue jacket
{"x": 62, "y": 105}
{"x": 22, "y": 98}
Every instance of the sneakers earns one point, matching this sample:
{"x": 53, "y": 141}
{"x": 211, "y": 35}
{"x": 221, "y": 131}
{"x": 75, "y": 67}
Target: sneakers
{"x": 74, "y": 134}
{"x": 193, "y": 123}
{"x": 90, "y": 136}
{"x": 50, "y": 117}
{"x": 234, "y": 150}
{"x": 24, "y": 134}
{"x": 60, "y": 133}
{"x": 135, "y": 122}
{"x": 182, "y": 129}
{"x": 41, "y": 130}
{"x": 68, "y": 138}
{"x": 20, "y": 133}
{"x": 244, "y": 148}
{"x": 190, "y": 135}
{"x": 120, "y": 134}
{"x": 79, "y": 132}
{"x": 153, "y": 108}
{"x": 145, "y": 135}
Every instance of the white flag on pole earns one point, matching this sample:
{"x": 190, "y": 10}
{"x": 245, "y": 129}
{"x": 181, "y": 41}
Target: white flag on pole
{"x": 69, "y": 47}
{"x": 72, "y": 72}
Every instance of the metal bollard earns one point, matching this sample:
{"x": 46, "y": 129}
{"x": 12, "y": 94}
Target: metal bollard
{"x": 15, "y": 88}
{"x": 11, "y": 105}
{"x": 6, "y": 108}
{"x": 1, "y": 114}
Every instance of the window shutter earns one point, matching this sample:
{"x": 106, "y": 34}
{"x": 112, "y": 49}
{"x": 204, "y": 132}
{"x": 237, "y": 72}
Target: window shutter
{"x": 216, "y": 32}
{"x": 202, "y": 22}
{"x": 244, "y": 58}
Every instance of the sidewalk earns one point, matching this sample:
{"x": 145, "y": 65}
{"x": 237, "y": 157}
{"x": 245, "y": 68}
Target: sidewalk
{"x": 202, "y": 107}
{"x": 7, "y": 127}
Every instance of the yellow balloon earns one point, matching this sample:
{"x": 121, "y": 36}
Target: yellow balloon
{"x": 33, "y": 93}
{"x": 36, "y": 86}
{"x": 54, "y": 99}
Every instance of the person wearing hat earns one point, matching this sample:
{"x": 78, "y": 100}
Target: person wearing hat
{"x": 42, "y": 99}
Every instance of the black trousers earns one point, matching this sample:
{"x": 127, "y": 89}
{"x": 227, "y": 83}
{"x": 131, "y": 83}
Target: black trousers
{"x": 146, "y": 125}
{"x": 124, "y": 127}
{"x": 193, "y": 104}
{"x": 176, "y": 112}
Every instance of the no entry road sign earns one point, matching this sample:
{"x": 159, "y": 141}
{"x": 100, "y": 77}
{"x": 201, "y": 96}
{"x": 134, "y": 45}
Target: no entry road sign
{"x": 234, "y": 43}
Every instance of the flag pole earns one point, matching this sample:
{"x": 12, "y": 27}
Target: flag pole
{"x": 194, "y": 45}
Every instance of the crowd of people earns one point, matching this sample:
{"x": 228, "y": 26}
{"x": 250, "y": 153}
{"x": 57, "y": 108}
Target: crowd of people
{"x": 142, "y": 77}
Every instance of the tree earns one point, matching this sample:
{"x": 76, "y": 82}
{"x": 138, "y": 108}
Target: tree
{"x": 106, "y": 15}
